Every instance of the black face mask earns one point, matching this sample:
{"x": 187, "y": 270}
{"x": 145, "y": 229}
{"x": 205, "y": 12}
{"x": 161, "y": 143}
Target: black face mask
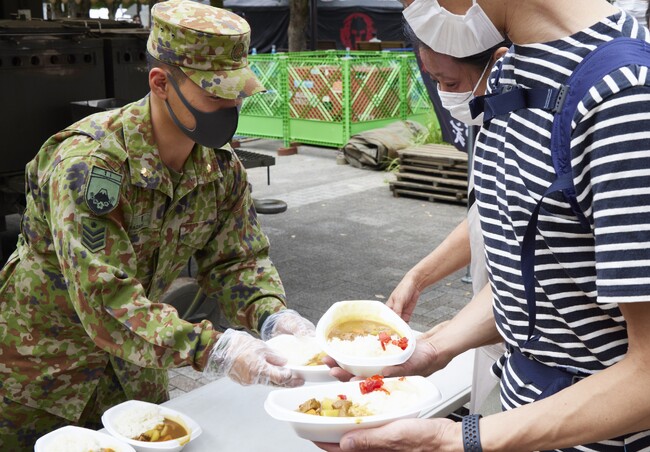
{"x": 212, "y": 130}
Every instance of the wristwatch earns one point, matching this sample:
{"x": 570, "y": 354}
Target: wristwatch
{"x": 471, "y": 437}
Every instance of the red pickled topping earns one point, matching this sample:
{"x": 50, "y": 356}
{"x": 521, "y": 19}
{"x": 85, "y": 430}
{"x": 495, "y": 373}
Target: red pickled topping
{"x": 342, "y": 397}
{"x": 384, "y": 338}
{"x": 374, "y": 383}
{"x": 402, "y": 343}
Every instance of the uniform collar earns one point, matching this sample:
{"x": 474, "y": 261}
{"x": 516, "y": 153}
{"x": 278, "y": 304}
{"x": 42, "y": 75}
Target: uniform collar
{"x": 147, "y": 169}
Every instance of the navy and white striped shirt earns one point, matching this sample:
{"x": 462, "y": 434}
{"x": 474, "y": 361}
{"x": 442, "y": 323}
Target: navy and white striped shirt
{"x": 580, "y": 276}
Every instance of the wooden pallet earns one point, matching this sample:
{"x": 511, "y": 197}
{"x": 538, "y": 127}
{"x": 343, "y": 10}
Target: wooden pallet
{"x": 433, "y": 172}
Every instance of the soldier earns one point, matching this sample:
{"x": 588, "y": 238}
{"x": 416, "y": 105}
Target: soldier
{"x": 116, "y": 205}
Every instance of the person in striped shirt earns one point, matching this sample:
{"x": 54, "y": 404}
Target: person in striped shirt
{"x": 457, "y": 80}
{"x": 592, "y": 288}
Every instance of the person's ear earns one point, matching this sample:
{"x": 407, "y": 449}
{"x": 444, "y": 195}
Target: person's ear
{"x": 158, "y": 82}
{"x": 498, "y": 53}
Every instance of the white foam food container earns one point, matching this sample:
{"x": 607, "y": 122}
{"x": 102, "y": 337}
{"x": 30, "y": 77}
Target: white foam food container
{"x": 298, "y": 350}
{"x": 374, "y": 310}
{"x": 57, "y": 439}
{"x": 283, "y": 405}
{"x": 109, "y": 421}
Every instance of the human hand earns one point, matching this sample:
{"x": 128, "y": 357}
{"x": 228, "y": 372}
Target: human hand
{"x": 336, "y": 371}
{"x": 424, "y": 361}
{"x": 404, "y": 298}
{"x": 412, "y": 435}
{"x": 286, "y": 321}
{"x": 248, "y": 361}
{"x": 434, "y": 329}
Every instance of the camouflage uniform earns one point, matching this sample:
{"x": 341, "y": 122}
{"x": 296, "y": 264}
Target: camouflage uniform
{"x": 104, "y": 234}
{"x": 217, "y": 61}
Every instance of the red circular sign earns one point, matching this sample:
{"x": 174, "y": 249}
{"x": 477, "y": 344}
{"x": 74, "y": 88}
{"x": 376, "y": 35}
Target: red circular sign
{"x": 356, "y": 27}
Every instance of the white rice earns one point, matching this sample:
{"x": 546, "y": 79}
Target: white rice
{"x": 131, "y": 423}
{"x": 402, "y": 395}
{"x": 367, "y": 346}
{"x": 297, "y": 350}
{"x": 78, "y": 442}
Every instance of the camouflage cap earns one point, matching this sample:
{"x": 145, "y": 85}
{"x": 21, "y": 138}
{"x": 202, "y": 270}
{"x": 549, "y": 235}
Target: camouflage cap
{"x": 209, "y": 44}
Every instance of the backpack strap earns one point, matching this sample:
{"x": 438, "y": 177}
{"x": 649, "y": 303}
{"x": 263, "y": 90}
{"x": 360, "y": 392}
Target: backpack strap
{"x": 594, "y": 67}
{"x": 511, "y": 98}
{"x": 603, "y": 60}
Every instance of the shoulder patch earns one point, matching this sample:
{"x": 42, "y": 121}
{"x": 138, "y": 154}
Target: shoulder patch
{"x": 102, "y": 190}
{"x": 93, "y": 234}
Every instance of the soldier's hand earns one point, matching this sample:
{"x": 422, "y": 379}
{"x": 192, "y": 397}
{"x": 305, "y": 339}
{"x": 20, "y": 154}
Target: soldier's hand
{"x": 248, "y": 361}
{"x": 286, "y": 321}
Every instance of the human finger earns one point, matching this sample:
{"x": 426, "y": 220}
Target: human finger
{"x": 335, "y": 370}
{"x": 329, "y": 447}
{"x": 280, "y": 376}
{"x": 405, "y": 435}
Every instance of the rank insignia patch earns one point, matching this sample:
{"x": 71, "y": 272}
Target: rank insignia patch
{"x": 93, "y": 234}
{"x": 103, "y": 190}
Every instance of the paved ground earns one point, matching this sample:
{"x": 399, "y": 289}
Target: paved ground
{"x": 344, "y": 236}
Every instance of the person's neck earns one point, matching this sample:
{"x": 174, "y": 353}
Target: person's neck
{"x": 173, "y": 145}
{"x": 538, "y": 21}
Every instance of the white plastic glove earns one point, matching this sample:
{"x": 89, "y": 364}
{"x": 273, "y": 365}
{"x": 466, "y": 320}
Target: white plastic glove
{"x": 286, "y": 321}
{"x": 248, "y": 361}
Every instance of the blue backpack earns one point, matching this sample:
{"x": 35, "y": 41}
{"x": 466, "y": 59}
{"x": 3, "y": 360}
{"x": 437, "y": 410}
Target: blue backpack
{"x": 562, "y": 102}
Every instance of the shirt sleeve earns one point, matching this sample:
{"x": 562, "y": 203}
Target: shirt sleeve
{"x": 99, "y": 268}
{"x": 235, "y": 266}
{"x": 612, "y": 172}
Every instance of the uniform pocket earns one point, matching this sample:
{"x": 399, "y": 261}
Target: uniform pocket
{"x": 195, "y": 235}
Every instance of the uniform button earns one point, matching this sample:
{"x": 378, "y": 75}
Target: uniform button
{"x": 144, "y": 172}
{"x": 208, "y": 167}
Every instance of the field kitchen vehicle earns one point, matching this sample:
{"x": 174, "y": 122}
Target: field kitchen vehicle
{"x": 49, "y": 71}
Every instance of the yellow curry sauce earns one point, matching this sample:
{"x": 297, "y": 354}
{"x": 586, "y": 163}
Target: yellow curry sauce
{"x": 350, "y": 329}
{"x": 166, "y": 431}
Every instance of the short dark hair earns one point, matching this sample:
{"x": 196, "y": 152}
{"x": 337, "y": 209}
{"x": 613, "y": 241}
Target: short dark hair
{"x": 479, "y": 60}
{"x": 177, "y": 74}
{"x": 410, "y": 36}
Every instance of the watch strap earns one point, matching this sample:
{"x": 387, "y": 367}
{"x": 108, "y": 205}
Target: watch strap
{"x": 471, "y": 436}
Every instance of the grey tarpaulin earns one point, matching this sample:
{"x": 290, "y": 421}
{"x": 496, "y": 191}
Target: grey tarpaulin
{"x": 373, "y": 149}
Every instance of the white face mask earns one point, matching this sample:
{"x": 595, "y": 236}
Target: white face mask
{"x": 452, "y": 34}
{"x": 458, "y": 103}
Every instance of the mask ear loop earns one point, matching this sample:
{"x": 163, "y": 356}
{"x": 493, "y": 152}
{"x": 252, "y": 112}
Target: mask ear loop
{"x": 487, "y": 65}
{"x": 171, "y": 80}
